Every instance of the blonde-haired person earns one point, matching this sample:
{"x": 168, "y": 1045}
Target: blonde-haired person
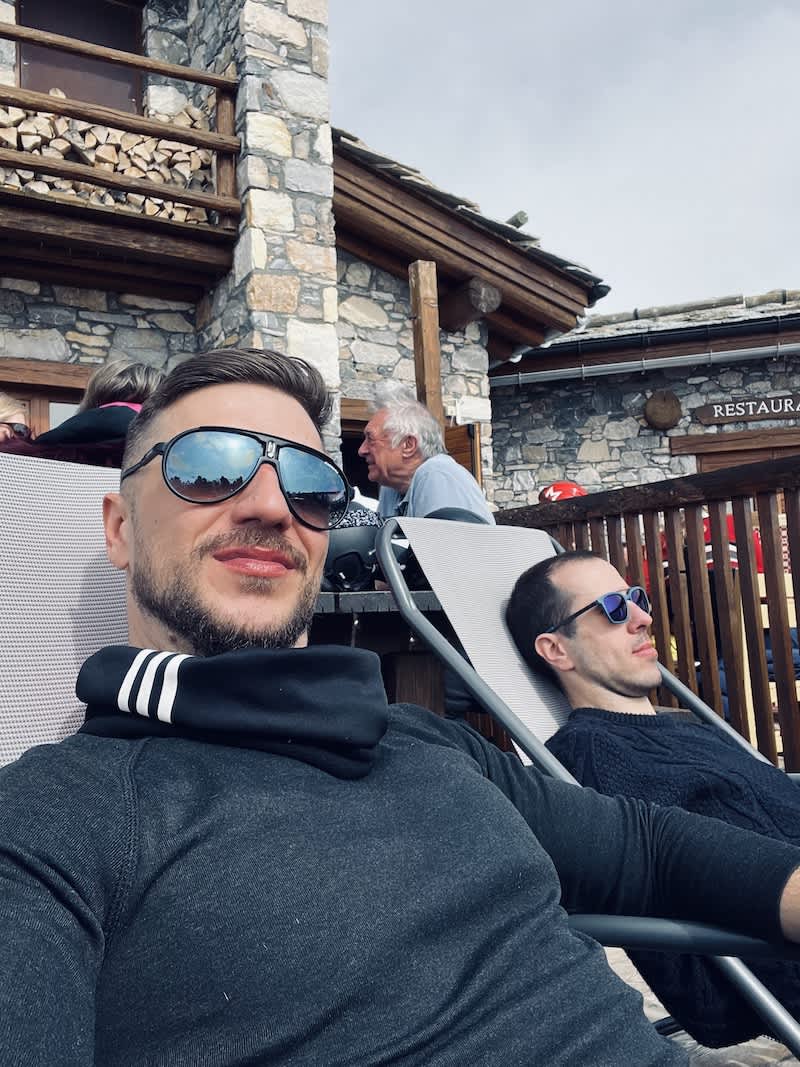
{"x": 12, "y": 419}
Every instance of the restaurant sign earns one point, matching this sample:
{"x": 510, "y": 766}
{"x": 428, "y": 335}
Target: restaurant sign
{"x": 749, "y": 409}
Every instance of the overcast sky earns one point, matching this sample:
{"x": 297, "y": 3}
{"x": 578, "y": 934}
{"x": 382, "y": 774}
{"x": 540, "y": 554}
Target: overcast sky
{"x": 658, "y": 143}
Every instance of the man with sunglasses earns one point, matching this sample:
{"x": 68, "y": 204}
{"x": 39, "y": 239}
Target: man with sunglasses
{"x": 246, "y": 857}
{"x": 575, "y": 620}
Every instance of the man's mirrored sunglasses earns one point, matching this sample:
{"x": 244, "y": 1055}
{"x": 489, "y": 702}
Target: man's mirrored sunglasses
{"x": 613, "y": 605}
{"x": 209, "y": 464}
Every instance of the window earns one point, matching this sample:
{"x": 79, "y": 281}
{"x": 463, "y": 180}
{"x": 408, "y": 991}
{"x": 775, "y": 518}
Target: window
{"x": 48, "y": 391}
{"x": 111, "y": 23}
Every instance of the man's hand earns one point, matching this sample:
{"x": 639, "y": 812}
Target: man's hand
{"x": 790, "y": 907}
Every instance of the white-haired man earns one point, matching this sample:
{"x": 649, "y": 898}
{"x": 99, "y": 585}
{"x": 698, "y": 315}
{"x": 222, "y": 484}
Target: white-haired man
{"x": 404, "y": 451}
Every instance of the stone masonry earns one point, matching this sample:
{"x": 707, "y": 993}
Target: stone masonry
{"x": 593, "y": 432}
{"x": 376, "y": 342}
{"x": 282, "y": 291}
{"x": 43, "y": 321}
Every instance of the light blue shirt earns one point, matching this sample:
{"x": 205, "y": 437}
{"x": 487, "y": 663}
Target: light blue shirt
{"x": 437, "y": 483}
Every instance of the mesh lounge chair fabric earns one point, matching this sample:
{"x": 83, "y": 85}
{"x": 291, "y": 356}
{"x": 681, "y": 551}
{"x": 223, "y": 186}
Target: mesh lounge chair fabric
{"x": 488, "y": 559}
{"x": 60, "y": 599}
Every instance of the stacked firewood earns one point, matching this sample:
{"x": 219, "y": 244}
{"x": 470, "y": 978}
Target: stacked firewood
{"x": 134, "y": 155}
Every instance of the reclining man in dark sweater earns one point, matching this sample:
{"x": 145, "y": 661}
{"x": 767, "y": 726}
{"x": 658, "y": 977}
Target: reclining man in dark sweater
{"x": 245, "y": 857}
{"x": 574, "y": 619}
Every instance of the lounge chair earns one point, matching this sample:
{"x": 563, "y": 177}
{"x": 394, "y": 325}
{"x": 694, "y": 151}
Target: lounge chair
{"x": 60, "y": 599}
{"x": 473, "y": 596}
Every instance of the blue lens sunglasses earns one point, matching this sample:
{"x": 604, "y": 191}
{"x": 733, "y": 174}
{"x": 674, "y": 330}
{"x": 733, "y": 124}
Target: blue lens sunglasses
{"x": 613, "y": 605}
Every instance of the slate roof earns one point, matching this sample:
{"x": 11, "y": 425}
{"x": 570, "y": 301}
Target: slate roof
{"x": 778, "y": 303}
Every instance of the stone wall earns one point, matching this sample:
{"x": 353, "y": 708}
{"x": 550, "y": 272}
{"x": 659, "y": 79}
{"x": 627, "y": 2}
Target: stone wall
{"x": 43, "y": 321}
{"x": 282, "y": 291}
{"x": 376, "y": 342}
{"x": 593, "y": 432}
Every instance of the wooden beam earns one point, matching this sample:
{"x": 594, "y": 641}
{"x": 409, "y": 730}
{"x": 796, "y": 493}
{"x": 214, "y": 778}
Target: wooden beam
{"x": 63, "y": 168}
{"x": 408, "y": 236}
{"x": 119, "y": 243}
{"x": 470, "y": 302}
{"x": 226, "y": 168}
{"x": 505, "y": 327}
{"x": 118, "y": 120}
{"x": 427, "y": 354}
{"x": 44, "y": 372}
{"x": 354, "y": 410}
{"x": 114, "y": 55}
{"x": 57, "y": 205}
{"x": 115, "y": 278}
{"x": 528, "y": 333}
{"x": 735, "y": 441}
{"x": 394, "y": 216}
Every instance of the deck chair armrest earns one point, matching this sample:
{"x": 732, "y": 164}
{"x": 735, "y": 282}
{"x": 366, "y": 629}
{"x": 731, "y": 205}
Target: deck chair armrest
{"x": 441, "y": 647}
{"x": 672, "y": 935}
{"x": 721, "y": 947}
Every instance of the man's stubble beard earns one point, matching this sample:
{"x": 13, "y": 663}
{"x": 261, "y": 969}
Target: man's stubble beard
{"x": 177, "y": 603}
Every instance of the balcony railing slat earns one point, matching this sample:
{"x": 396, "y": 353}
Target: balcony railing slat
{"x": 118, "y": 120}
{"x": 729, "y": 620}
{"x": 658, "y": 596}
{"x": 792, "y": 508}
{"x": 598, "y": 531}
{"x": 700, "y": 604}
{"x": 84, "y": 173}
{"x": 616, "y": 551}
{"x": 13, "y": 32}
{"x": 754, "y": 627}
{"x": 679, "y": 598}
{"x": 780, "y": 639}
{"x": 582, "y": 535}
{"x": 633, "y": 551}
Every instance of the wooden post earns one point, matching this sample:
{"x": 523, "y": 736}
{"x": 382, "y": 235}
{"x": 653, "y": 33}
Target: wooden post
{"x": 427, "y": 354}
{"x": 226, "y": 162}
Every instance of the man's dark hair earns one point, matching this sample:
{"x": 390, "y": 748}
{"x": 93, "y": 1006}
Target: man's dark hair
{"x": 536, "y": 605}
{"x": 222, "y": 366}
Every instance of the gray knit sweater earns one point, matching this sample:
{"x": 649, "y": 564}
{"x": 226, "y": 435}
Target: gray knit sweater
{"x": 170, "y": 901}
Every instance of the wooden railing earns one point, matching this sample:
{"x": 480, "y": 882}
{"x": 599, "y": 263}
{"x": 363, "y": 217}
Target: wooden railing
{"x": 707, "y": 609}
{"x": 221, "y": 141}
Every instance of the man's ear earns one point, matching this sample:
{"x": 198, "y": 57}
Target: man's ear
{"x": 408, "y": 446}
{"x": 553, "y": 651}
{"x": 117, "y": 526}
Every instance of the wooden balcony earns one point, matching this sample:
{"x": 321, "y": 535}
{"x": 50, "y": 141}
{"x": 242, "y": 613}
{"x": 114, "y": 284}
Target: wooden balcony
{"x": 709, "y": 612}
{"x": 138, "y": 238}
